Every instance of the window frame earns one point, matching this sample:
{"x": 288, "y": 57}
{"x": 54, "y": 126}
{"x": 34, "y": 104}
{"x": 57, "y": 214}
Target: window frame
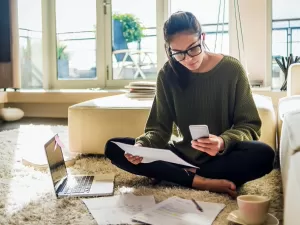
{"x": 49, "y": 54}
{"x": 103, "y": 62}
{"x": 292, "y": 41}
{"x": 103, "y": 58}
{"x": 161, "y": 15}
{"x": 287, "y": 38}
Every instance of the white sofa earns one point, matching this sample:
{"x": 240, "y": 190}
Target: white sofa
{"x": 285, "y": 105}
{"x": 289, "y": 145}
{"x": 290, "y": 166}
{"x": 291, "y": 101}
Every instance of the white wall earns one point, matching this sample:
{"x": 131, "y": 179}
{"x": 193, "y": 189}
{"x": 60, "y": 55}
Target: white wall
{"x": 256, "y": 20}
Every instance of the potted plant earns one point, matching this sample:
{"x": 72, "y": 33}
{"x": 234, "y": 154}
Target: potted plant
{"x": 62, "y": 61}
{"x": 132, "y": 27}
{"x": 284, "y": 64}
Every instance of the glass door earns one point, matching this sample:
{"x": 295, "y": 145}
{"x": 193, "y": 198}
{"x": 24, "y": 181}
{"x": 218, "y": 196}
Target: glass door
{"x": 132, "y": 39}
{"x": 78, "y": 63}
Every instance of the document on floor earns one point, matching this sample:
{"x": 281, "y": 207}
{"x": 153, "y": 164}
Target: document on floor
{"x": 153, "y": 154}
{"x": 178, "y": 211}
{"x": 118, "y": 209}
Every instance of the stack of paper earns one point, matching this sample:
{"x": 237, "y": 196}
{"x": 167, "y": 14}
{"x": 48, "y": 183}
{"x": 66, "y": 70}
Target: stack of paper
{"x": 118, "y": 209}
{"x": 141, "y": 89}
{"x": 177, "y": 211}
{"x": 131, "y": 209}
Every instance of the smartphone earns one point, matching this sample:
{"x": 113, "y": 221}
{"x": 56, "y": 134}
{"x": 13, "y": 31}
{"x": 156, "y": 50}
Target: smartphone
{"x": 199, "y": 131}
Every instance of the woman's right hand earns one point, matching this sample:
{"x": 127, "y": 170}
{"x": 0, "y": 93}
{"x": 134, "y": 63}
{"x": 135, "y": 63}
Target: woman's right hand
{"x": 134, "y": 159}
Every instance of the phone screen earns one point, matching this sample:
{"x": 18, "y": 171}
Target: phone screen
{"x": 199, "y": 131}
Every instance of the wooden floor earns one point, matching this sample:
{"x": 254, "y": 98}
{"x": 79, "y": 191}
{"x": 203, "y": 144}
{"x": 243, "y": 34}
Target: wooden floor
{"x": 31, "y": 120}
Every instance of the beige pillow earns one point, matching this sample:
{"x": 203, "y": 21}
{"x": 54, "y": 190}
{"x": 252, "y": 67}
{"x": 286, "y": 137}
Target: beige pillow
{"x": 11, "y": 114}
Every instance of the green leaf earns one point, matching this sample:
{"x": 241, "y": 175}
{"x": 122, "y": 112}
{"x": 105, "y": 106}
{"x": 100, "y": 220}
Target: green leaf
{"x": 61, "y": 54}
{"x": 132, "y": 28}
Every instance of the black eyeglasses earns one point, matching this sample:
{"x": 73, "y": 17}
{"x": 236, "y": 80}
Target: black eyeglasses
{"x": 192, "y": 52}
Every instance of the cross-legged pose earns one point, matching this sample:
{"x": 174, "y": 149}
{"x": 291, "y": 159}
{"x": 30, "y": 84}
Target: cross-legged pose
{"x": 195, "y": 87}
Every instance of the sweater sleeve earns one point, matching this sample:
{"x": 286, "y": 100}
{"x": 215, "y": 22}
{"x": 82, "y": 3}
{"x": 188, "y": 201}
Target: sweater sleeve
{"x": 246, "y": 120}
{"x": 158, "y": 129}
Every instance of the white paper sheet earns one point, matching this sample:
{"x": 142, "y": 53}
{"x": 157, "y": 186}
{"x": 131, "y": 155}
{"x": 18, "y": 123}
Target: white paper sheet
{"x": 118, "y": 209}
{"x": 178, "y": 211}
{"x": 153, "y": 154}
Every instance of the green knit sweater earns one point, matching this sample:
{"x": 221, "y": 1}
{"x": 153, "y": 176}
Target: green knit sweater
{"x": 220, "y": 98}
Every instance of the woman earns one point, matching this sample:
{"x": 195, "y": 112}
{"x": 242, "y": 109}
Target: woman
{"x": 199, "y": 87}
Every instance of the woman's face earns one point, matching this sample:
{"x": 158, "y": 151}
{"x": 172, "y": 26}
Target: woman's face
{"x": 187, "y": 50}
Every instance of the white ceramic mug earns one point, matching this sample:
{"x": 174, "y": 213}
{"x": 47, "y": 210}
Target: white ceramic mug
{"x": 253, "y": 209}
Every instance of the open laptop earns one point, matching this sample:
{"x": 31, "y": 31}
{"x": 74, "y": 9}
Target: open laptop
{"x": 74, "y": 185}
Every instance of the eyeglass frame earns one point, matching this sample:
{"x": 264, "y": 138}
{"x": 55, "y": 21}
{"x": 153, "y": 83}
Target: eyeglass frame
{"x": 185, "y": 52}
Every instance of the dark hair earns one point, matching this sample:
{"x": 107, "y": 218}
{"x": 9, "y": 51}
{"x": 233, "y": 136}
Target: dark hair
{"x": 180, "y": 22}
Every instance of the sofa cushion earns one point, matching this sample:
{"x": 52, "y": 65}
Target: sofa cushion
{"x": 267, "y": 115}
{"x": 286, "y": 104}
{"x": 293, "y": 81}
{"x": 92, "y": 123}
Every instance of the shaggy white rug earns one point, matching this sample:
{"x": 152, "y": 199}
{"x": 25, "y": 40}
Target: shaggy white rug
{"x": 27, "y": 197}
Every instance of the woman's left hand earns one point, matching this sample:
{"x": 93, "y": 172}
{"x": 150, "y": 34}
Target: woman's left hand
{"x": 211, "y": 145}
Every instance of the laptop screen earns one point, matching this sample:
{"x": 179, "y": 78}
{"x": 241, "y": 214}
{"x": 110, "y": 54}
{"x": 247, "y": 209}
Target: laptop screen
{"x": 56, "y": 161}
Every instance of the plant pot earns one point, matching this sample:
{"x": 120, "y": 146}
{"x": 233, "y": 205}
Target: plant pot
{"x": 63, "y": 68}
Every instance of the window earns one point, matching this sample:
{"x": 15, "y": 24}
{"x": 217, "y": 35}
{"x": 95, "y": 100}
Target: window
{"x": 30, "y": 42}
{"x": 296, "y": 41}
{"x": 75, "y": 36}
{"x": 75, "y": 44}
{"x": 285, "y": 35}
{"x": 134, "y": 54}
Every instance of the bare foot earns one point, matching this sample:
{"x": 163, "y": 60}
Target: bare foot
{"x": 215, "y": 185}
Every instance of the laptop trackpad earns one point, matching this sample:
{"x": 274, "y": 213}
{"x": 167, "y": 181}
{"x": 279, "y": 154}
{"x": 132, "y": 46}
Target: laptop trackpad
{"x": 103, "y": 183}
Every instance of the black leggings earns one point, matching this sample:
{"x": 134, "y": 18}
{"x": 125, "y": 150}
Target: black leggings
{"x": 245, "y": 161}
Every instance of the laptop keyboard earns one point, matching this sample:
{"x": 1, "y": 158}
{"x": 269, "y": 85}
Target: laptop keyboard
{"x": 80, "y": 184}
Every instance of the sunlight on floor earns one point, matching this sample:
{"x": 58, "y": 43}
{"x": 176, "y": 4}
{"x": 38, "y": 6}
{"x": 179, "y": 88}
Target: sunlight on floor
{"x": 126, "y": 190}
{"x": 23, "y": 185}
{"x": 32, "y": 139}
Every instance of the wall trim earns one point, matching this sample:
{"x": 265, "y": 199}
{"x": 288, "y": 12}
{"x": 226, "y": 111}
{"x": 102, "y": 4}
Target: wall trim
{"x": 55, "y": 104}
{"x": 57, "y": 96}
